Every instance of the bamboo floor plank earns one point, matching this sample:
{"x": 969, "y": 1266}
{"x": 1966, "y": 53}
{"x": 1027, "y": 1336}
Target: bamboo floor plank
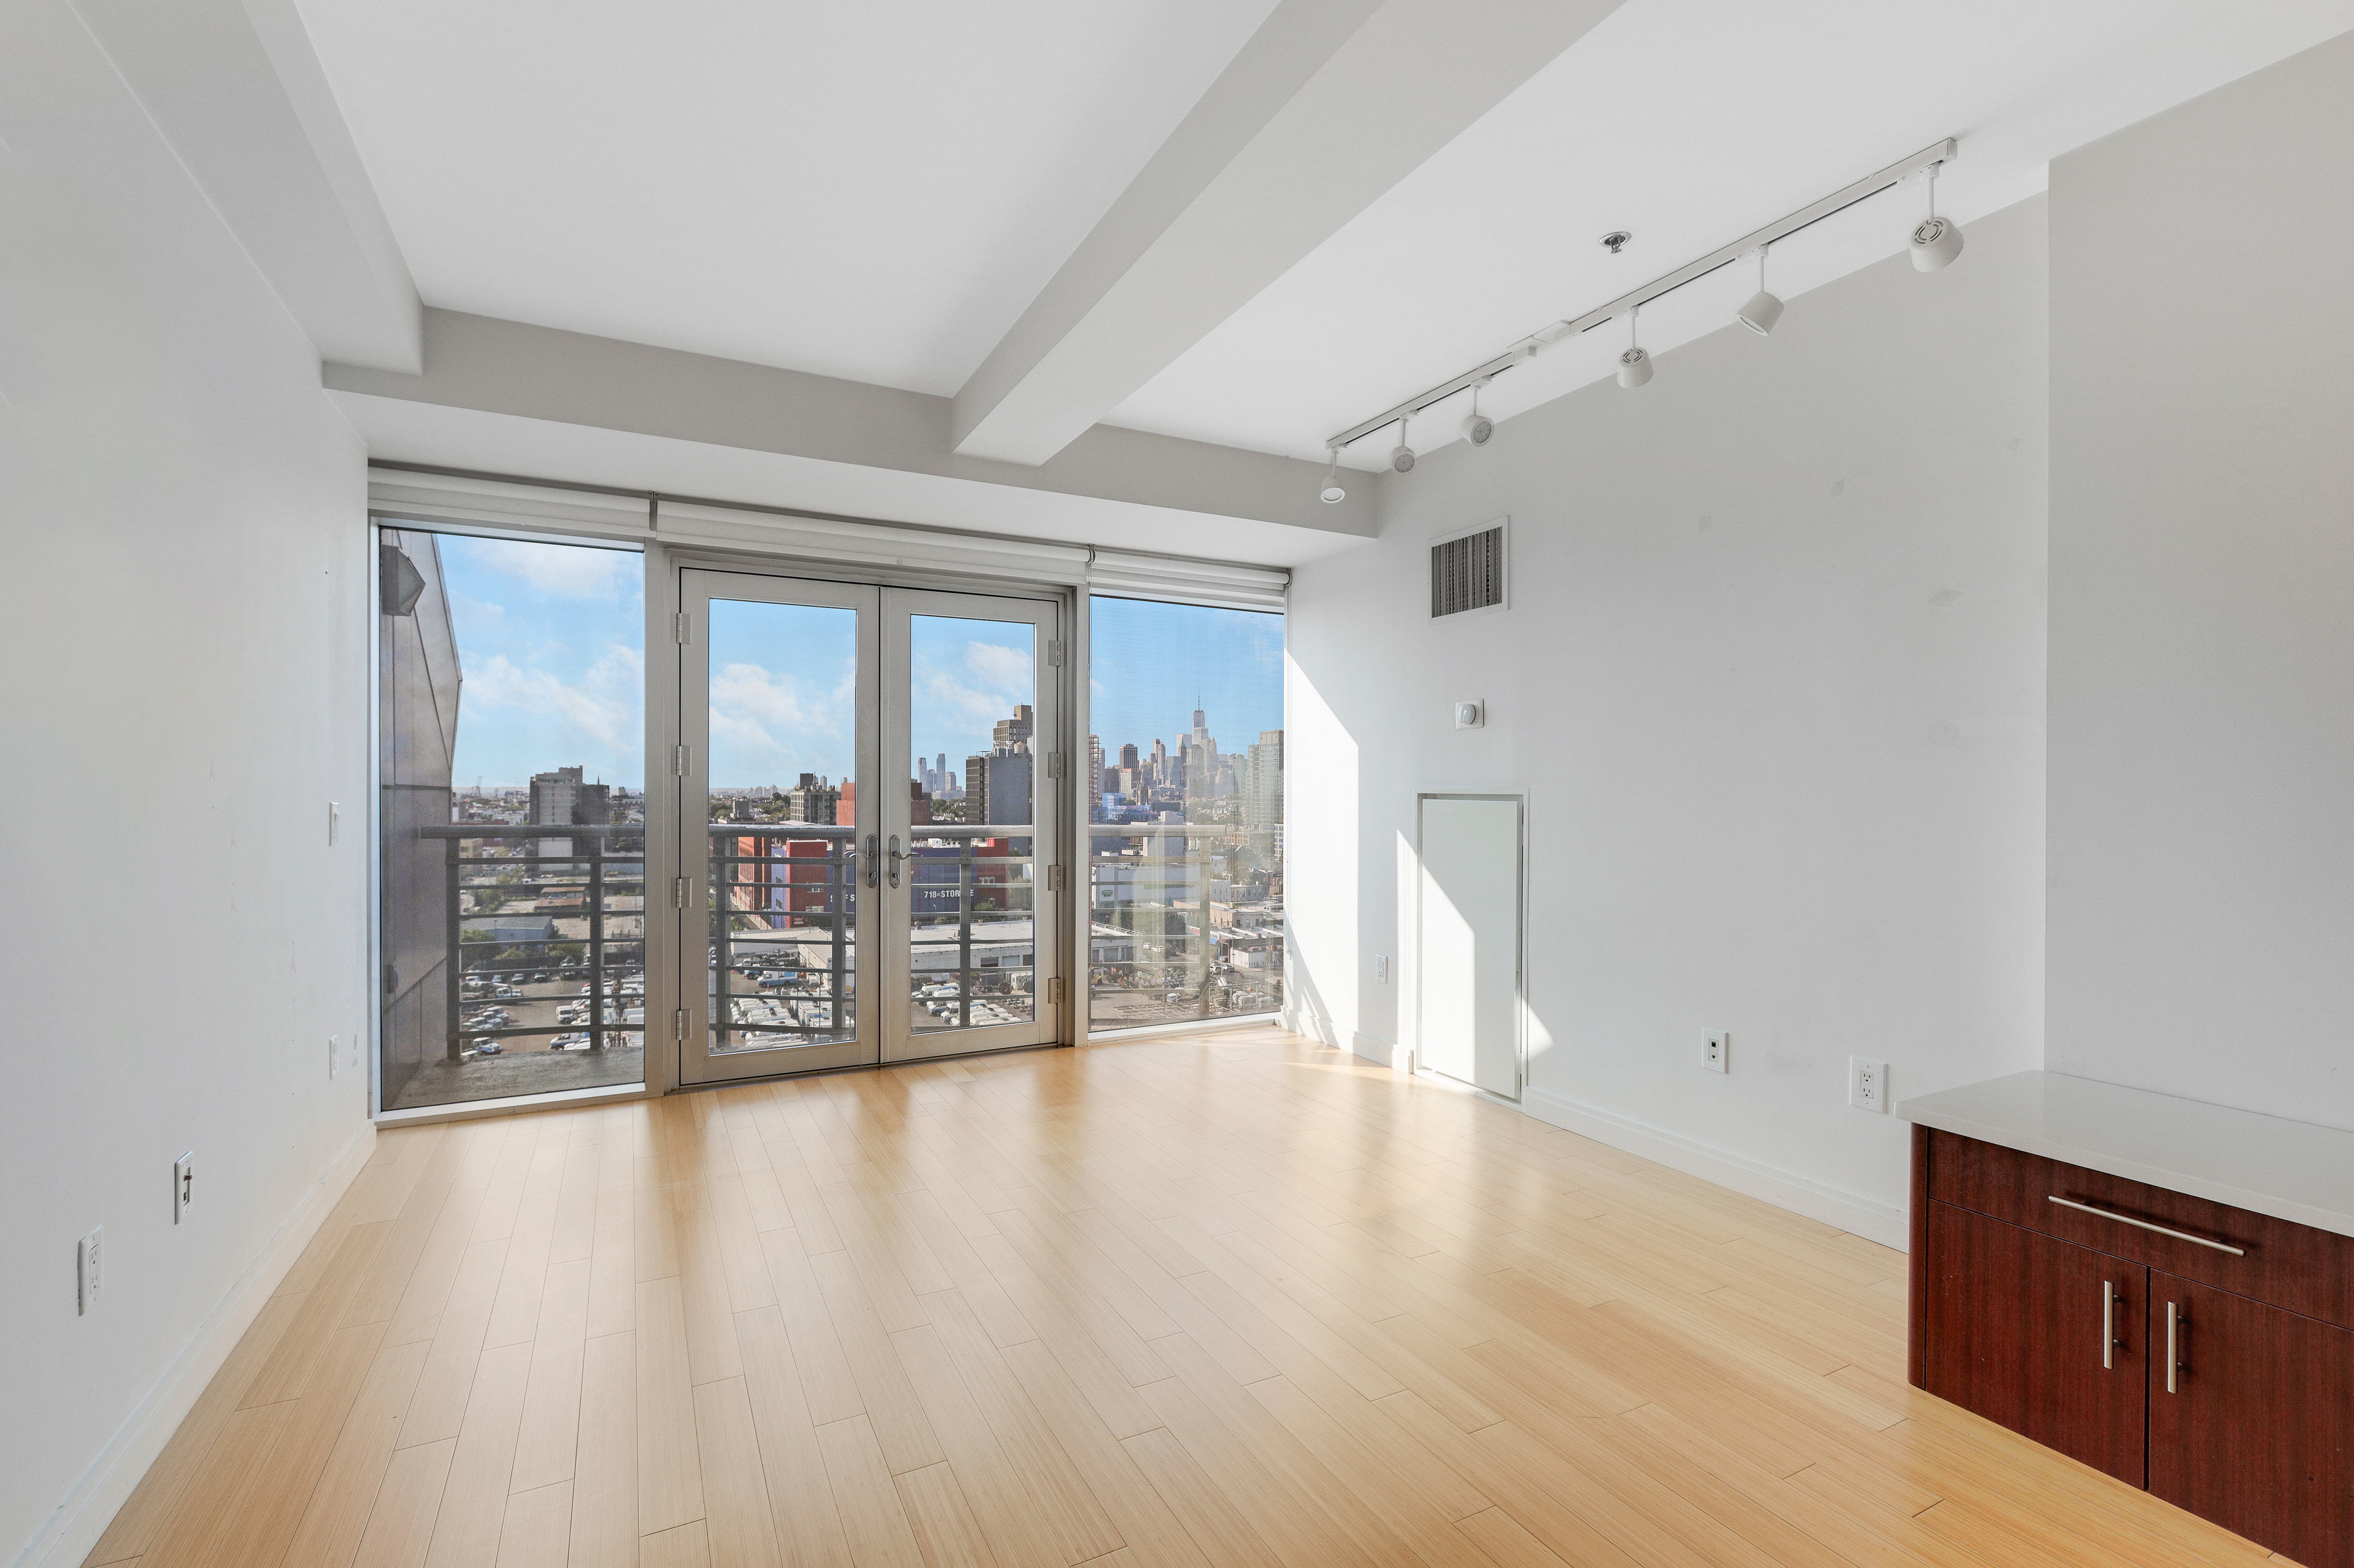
{"x": 1217, "y": 1301}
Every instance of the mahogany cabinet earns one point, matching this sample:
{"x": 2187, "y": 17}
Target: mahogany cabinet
{"x": 2016, "y": 1329}
{"x": 2257, "y": 1430}
{"x": 2204, "y": 1351}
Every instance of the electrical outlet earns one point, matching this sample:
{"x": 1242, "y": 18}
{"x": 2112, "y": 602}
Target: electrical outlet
{"x": 183, "y": 1184}
{"x": 86, "y": 1272}
{"x": 1381, "y": 968}
{"x": 1867, "y": 1084}
{"x": 1717, "y": 1054}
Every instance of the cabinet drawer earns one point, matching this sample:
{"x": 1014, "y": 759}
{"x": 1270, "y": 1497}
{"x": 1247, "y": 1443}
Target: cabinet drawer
{"x": 2290, "y": 1265}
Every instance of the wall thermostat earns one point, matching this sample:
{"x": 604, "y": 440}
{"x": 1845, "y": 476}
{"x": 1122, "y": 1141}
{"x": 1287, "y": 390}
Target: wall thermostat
{"x": 1471, "y": 715}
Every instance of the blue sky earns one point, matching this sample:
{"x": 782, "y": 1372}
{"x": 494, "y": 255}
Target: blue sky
{"x": 551, "y": 641}
{"x": 1150, "y": 660}
{"x": 783, "y": 690}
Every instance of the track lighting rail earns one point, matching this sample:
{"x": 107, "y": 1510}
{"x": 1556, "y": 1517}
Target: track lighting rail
{"x": 1837, "y": 201}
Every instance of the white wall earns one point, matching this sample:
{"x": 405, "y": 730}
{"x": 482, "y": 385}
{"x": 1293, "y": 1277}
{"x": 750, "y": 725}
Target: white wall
{"x": 182, "y": 673}
{"x": 1772, "y": 679}
{"x": 2202, "y": 598}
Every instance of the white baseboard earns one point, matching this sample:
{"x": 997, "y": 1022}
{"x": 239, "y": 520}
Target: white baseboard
{"x": 1296, "y": 1021}
{"x": 1382, "y": 1053}
{"x": 1851, "y": 1212}
{"x": 78, "y": 1520}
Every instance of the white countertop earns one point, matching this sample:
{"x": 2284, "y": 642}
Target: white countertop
{"x": 2289, "y": 1169}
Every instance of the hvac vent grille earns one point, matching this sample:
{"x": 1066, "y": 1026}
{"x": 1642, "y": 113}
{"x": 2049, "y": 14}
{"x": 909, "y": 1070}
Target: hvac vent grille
{"x": 1467, "y": 573}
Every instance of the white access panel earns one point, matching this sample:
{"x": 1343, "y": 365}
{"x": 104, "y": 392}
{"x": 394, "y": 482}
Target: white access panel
{"x": 1469, "y": 946}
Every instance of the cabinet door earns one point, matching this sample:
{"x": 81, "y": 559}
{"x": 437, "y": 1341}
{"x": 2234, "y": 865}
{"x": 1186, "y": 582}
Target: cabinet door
{"x": 2041, "y": 1335}
{"x": 2256, "y": 1432}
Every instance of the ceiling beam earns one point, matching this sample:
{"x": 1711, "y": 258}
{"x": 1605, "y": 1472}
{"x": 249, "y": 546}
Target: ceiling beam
{"x": 1329, "y": 104}
{"x": 237, "y": 92}
{"x": 854, "y": 448}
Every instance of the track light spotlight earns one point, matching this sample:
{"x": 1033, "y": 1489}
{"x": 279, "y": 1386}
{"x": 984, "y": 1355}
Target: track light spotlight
{"x": 1477, "y": 426}
{"x": 1763, "y": 309}
{"x": 1635, "y": 364}
{"x": 1936, "y": 240}
{"x": 1402, "y": 455}
{"x": 1332, "y": 494}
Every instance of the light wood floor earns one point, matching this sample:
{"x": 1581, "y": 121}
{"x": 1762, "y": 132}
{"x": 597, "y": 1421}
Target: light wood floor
{"x": 1233, "y": 1300}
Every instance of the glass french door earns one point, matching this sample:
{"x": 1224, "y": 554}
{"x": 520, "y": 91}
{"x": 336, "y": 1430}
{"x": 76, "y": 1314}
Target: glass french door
{"x": 781, "y": 681}
{"x": 869, "y": 821}
{"x": 971, "y": 920}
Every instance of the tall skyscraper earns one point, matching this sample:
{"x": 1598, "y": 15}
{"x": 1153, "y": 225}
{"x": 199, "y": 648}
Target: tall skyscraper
{"x": 1263, "y": 795}
{"x": 1200, "y": 759}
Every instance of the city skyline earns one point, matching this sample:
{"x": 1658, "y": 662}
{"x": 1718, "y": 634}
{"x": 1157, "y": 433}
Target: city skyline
{"x": 550, "y": 645}
{"x": 1231, "y": 667}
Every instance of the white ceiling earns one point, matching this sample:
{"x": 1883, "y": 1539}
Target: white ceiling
{"x": 1688, "y": 123}
{"x": 877, "y": 190}
{"x": 866, "y": 189}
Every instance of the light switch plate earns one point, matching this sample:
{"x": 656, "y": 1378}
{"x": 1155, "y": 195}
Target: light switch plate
{"x": 184, "y": 1185}
{"x": 86, "y": 1271}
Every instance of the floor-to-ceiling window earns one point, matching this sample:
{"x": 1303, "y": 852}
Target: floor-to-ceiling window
{"x": 511, "y": 818}
{"x": 1185, "y": 781}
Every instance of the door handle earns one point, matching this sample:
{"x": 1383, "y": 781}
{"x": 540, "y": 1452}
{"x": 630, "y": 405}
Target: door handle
{"x": 2108, "y": 1323}
{"x": 2175, "y": 1323}
{"x": 872, "y": 871}
{"x": 894, "y": 860}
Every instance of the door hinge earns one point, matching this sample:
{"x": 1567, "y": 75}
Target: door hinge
{"x": 1054, "y": 764}
{"x": 1054, "y": 652}
{"x": 1053, "y": 879}
{"x": 678, "y": 1025}
{"x": 679, "y": 625}
{"x": 678, "y": 761}
{"x": 1055, "y": 992}
{"x": 678, "y": 892}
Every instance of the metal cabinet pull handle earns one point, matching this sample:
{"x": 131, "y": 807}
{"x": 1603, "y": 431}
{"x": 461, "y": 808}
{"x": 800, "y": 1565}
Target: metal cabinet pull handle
{"x": 2108, "y": 1324}
{"x": 2145, "y": 1225}
{"x": 894, "y": 860}
{"x": 872, "y": 869}
{"x": 2173, "y": 1319}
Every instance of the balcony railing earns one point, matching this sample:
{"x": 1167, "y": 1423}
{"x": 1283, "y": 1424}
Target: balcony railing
{"x": 595, "y": 882}
{"x": 782, "y": 888}
{"x": 774, "y": 886}
{"x": 1185, "y": 923}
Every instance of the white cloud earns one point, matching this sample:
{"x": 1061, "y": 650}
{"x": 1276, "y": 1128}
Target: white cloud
{"x": 476, "y": 615}
{"x": 1003, "y": 669}
{"x": 750, "y": 705}
{"x": 603, "y": 706}
{"x": 565, "y": 571}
